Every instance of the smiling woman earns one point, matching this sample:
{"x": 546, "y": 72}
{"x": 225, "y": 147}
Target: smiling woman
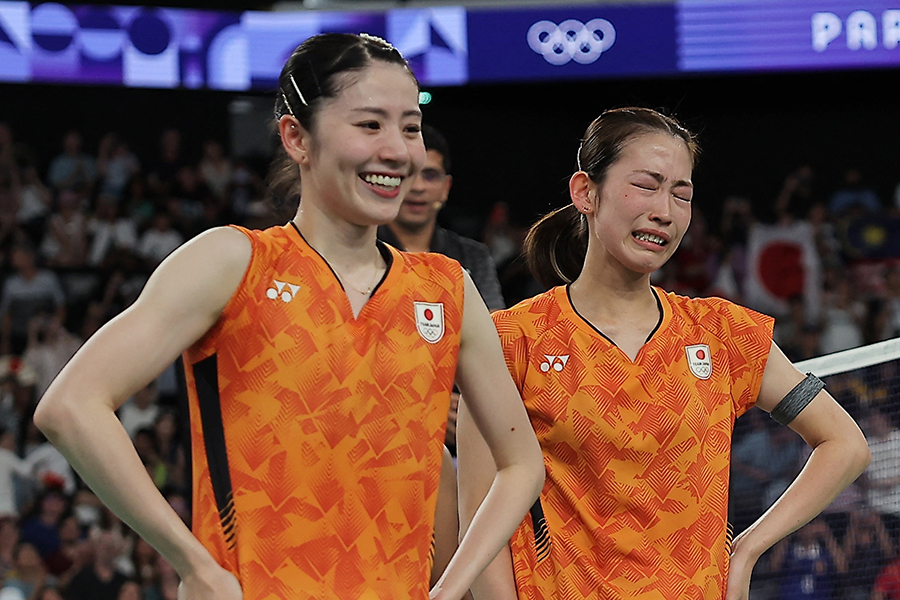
{"x": 319, "y": 365}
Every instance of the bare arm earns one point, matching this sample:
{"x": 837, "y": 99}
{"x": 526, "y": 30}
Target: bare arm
{"x": 446, "y": 522}
{"x": 495, "y": 407}
{"x": 497, "y": 581}
{"x": 840, "y": 454}
{"x": 180, "y": 302}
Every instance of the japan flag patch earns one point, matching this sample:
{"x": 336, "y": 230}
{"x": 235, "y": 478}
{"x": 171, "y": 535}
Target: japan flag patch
{"x": 699, "y": 360}
{"x": 430, "y": 321}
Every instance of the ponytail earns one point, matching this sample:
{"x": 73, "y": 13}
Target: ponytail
{"x": 555, "y": 247}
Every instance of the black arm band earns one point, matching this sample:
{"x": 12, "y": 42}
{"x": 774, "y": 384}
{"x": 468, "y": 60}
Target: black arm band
{"x": 797, "y": 399}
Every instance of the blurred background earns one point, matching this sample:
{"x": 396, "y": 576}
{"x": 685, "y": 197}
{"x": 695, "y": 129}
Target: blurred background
{"x": 127, "y": 129}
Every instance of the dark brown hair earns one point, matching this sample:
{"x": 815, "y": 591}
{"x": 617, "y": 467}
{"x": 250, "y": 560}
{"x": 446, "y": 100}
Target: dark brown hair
{"x": 556, "y": 245}
{"x": 318, "y": 69}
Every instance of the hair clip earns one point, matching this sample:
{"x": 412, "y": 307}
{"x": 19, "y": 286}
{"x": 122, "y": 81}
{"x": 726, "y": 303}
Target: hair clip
{"x": 297, "y": 89}
{"x": 578, "y": 155}
{"x": 287, "y": 104}
{"x": 377, "y": 40}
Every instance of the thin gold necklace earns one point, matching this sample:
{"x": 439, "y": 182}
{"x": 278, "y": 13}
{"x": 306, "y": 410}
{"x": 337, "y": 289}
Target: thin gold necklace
{"x": 368, "y": 290}
{"x": 365, "y": 292}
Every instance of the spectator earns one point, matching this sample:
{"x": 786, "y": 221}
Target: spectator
{"x": 882, "y": 478}
{"x": 166, "y": 585}
{"x": 171, "y": 452}
{"x": 505, "y": 245}
{"x": 147, "y": 447}
{"x": 99, "y": 580}
{"x": 163, "y": 173}
{"x": 797, "y": 195}
{"x": 65, "y": 244}
{"x": 87, "y": 508}
{"x": 49, "y": 348}
{"x": 853, "y": 196}
{"x": 247, "y": 192}
{"x": 10, "y": 466}
{"x": 868, "y": 547}
{"x": 10, "y": 191}
{"x": 416, "y": 229}
{"x": 9, "y": 539}
{"x": 113, "y": 237}
{"x": 159, "y": 241}
{"x": 17, "y": 397}
{"x": 49, "y": 592}
{"x": 696, "y": 263}
{"x": 145, "y": 559}
{"x": 116, "y": 165}
{"x": 72, "y": 555}
{"x": 809, "y": 562}
{"x": 888, "y": 318}
{"x": 42, "y": 528}
{"x": 216, "y": 169}
{"x": 843, "y": 315}
{"x": 73, "y": 169}
{"x": 130, "y": 590}
{"x": 27, "y": 292}
{"x": 141, "y": 410}
{"x": 27, "y": 577}
{"x": 48, "y": 464}
{"x": 887, "y": 584}
{"x": 788, "y": 328}
{"x": 35, "y": 204}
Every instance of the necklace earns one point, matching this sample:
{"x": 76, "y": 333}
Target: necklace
{"x": 369, "y": 289}
{"x": 341, "y": 279}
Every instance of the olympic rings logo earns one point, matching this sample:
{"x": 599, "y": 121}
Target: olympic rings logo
{"x": 571, "y": 39}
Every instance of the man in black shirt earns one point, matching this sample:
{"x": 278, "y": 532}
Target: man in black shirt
{"x": 416, "y": 230}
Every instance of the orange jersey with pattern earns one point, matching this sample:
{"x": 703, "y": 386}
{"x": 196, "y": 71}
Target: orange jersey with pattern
{"x": 636, "y": 499}
{"x": 317, "y": 436}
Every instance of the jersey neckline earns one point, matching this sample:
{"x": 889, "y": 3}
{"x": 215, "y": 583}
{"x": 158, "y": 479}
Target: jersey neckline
{"x": 387, "y": 253}
{"x": 564, "y": 299}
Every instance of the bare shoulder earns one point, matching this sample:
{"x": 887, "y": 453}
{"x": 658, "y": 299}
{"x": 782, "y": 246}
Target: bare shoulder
{"x": 204, "y": 272}
{"x": 226, "y": 246}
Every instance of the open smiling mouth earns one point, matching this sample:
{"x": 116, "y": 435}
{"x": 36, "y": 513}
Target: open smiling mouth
{"x": 385, "y": 182}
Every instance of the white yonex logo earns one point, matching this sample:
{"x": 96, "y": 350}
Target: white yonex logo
{"x": 285, "y": 291}
{"x": 571, "y": 39}
{"x": 555, "y": 362}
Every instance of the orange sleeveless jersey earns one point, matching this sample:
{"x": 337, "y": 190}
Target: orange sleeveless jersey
{"x": 637, "y": 454}
{"x": 317, "y": 436}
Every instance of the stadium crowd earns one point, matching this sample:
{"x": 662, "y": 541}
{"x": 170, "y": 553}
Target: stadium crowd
{"x": 81, "y": 231}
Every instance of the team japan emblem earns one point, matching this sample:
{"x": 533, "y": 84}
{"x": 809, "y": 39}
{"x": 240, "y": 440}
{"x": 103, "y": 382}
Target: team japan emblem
{"x": 699, "y": 360}
{"x": 430, "y": 321}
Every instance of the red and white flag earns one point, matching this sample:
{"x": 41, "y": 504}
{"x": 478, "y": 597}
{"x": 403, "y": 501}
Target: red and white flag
{"x": 782, "y": 262}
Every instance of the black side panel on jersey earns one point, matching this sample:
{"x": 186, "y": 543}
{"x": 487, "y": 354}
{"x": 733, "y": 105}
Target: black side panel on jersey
{"x": 206, "y": 377}
{"x": 541, "y": 532}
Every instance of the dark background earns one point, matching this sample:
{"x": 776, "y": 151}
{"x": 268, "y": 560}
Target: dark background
{"x": 517, "y": 143}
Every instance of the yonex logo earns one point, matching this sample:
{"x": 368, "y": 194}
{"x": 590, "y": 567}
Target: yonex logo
{"x": 571, "y": 40}
{"x": 285, "y": 291}
{"x": 554, "y": 362}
